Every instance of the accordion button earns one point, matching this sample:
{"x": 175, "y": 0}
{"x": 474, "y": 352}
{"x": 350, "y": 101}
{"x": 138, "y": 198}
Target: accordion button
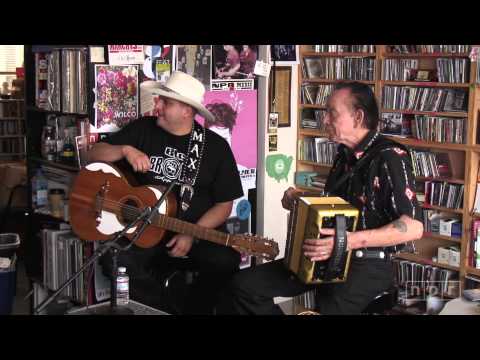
{"x": 359, "y": 253}
{"x": 382, "y": 255}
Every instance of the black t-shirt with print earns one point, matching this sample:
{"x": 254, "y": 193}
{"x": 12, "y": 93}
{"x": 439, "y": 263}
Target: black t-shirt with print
{"x": 217, "y": 181}
{"x": 383, "y": 189}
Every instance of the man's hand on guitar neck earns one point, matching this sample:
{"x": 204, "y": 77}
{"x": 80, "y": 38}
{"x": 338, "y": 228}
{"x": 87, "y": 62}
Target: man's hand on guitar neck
{"x": 181, "y": 245}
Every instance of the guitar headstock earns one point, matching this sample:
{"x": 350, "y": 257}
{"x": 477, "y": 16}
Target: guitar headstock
{"x": 256, "y": 245}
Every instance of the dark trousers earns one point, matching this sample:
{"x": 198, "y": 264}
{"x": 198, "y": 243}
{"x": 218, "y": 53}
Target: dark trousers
{"x": 148, "y": 269}
{"x": 252, "y": 290}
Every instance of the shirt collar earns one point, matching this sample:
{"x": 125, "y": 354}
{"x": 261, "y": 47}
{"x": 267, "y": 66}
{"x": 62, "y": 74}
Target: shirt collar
{"x": 364, "y": 145}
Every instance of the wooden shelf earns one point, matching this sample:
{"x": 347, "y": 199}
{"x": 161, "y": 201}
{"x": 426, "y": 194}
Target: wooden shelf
{"x": 434, "y": 207}
{"x": 337, "y": 54}
{"x": 10, "y": 118}
{"x": 308, "y": 188}
{"x": 312, "y": 132}
{"x": 425, "y": 84}
{"x": 333, "y": 81}
{"x": 60, "y": 113}
{"x": 11, "y": 136}
{"x": 453, "y": 181}
{"x": 412, "y": 142}
{"x": 437, "y": 54}
{"x": 475, "y": 148}
{"x": 460, "y": 114}
{"x": 433, "y": 236}
{"x": 421, "y": 260}
{"x": 312, "y": 106}
{"x": 11, "y": 100}
{"x": 472, "y": 271}
{"x": 55, "y": 164}
{"x": 305, "y": 162}
{"x": 12, "y": 154}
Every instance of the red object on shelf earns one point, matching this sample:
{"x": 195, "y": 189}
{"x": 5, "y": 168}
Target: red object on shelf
{"x": 20, "y": 71}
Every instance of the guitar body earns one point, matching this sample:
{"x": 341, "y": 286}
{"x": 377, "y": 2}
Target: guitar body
{"x": 102, "y": 202}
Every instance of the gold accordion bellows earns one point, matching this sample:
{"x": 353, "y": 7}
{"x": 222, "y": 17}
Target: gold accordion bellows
{"x": 309, "y": 214}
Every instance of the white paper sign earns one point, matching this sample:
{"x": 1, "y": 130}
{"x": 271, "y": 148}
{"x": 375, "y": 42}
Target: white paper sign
{"x": 125, "y": 54}
{"x": 262, "y": 68}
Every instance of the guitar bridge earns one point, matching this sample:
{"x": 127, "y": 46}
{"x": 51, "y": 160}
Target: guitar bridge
{"x": 99, "y": 200}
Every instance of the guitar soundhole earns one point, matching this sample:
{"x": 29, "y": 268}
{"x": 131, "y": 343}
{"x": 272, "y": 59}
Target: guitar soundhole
{"x": 129, "y": 210}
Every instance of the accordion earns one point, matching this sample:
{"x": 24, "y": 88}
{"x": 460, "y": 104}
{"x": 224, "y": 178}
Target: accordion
{"x": 308, "y": 216}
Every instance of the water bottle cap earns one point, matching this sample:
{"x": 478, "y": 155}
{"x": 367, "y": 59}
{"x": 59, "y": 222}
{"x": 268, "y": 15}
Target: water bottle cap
{"x": 122, "y": 269}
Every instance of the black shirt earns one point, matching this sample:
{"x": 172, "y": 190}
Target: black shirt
{"x": 383, "y": 189}
{"x": 218, "y": 179}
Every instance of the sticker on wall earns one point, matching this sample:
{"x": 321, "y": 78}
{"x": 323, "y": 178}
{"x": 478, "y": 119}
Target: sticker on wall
{"x": 278, "y": 166}
{"x": 272, "y": 142}
{"x": 272, "y": 123}
{"x": 243, "y": 209}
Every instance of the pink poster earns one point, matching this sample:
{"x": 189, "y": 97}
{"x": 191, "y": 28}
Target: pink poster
{"x": 236, "y": 121}
{"x": 236, "y": 113}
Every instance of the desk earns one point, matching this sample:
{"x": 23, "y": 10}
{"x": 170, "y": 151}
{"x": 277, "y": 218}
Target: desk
{"x": 136, "y": 307}
{"x": 460, "y": 306}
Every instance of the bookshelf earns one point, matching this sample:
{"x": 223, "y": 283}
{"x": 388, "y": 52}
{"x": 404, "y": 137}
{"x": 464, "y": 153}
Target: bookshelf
{"x": 66, "y": 107}
{"x": 458, "y": 74}
{"x": 12, "y": 129}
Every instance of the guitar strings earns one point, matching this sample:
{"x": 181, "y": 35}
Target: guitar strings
{"x": 130, "y": 210}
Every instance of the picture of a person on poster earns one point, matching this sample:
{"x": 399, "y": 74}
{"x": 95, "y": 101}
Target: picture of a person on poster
{"x": 225, "y": 117}
{"x": 231, "y": 65}
{"x": 248, "y": 57}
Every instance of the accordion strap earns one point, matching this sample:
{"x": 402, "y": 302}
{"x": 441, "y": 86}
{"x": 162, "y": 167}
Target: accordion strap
{"x": 336, "y": 263}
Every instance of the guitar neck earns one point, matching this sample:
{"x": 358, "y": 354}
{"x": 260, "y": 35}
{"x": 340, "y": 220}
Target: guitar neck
{"x": 187, "y": 228}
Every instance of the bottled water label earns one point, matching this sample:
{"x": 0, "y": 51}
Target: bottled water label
{"x": 122, "y": 291}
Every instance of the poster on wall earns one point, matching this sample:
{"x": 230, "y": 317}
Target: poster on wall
{"x": 116, "y": 96}
{"x": 234, "y": 61}
{"x": 232, "y": 84}
{"x": 125, "y": 54}
{"x": 195, "y": 60}
{"x": 157, "y": 63}
{"x": 236, "y": 122}
{"x": 284, "y": 55}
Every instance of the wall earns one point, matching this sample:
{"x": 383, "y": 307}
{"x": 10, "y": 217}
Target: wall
{"x": 271, "y": 217}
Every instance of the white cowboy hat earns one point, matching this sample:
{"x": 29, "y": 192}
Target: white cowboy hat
{"x": 187, "y": 89}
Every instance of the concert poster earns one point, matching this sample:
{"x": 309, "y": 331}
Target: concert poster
{"x": 116, "y": 96}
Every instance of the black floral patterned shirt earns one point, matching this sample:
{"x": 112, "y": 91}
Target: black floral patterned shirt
{"x": 383, "y": 189}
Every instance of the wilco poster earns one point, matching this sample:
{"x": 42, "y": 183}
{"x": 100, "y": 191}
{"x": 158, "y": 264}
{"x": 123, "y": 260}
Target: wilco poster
{"x": 236, "y": 122}
{"x": 116, "y": 96}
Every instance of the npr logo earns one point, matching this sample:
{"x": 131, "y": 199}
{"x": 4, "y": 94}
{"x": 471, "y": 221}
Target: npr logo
{"x": 424, "y": 289}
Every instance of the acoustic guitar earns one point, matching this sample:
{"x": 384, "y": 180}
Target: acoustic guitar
{"x": 102, "y": 202}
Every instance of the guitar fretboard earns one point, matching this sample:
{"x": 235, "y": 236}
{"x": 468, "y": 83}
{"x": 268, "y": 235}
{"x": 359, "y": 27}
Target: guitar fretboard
{"x": 187, "y": 228}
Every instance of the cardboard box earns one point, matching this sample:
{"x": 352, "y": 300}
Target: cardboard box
{"x": 454, "y": 259}
{"x": 443, "y": 255}
{"x": 451, "y": 227}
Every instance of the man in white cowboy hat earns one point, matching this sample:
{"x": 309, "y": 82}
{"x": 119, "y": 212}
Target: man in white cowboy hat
{"x": 168, "y": 147}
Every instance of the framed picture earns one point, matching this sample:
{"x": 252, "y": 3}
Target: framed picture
{"x": 281, "y": 93}
{"x": 284, "y": 54}
{"x": 422, "y": 75}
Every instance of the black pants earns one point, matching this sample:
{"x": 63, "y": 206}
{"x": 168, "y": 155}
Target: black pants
{"x": 148, "y": 269}
{"x": 252, "y": 290}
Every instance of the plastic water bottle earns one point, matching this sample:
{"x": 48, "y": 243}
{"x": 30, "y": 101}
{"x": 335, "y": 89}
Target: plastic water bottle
{"x": 39, "y": 189}
{"x": 123, "y": 287}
